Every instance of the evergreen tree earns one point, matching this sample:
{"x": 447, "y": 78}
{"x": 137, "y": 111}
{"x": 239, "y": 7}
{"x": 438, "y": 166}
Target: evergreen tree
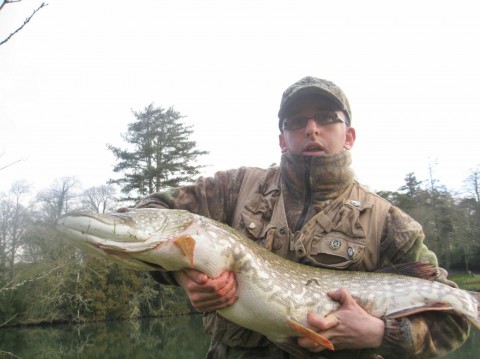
{"x": 162, "y": 153}
{"x": 412, "y": 185}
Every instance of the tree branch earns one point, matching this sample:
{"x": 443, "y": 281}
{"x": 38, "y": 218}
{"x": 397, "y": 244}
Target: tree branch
{"x": 8, "y": 2}
{"x": 24, "y": 23}
{"x": 9, "y": 355}
{"x": 4, "y": 323}
{"x": 10, "y": 164}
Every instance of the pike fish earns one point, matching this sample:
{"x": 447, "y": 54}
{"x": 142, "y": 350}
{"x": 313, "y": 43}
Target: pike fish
{"x": 274, "y": 294}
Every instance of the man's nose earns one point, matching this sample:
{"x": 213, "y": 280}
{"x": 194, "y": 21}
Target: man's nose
{"x": 312, "y": 126}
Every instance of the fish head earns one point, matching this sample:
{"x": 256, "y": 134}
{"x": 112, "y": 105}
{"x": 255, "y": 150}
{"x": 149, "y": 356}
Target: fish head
{"x": 142, "y": 239}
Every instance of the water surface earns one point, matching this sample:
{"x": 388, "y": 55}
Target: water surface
{"x": 156, "y": 338}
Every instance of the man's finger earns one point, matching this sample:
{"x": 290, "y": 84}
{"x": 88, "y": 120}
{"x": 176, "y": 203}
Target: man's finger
{"x": 342, "y": 296}
{"x": 197, "y": 276}
{"x": 322, "y": 323}
{"x": 225, "y": 285}
{"x": 209, "y": 294}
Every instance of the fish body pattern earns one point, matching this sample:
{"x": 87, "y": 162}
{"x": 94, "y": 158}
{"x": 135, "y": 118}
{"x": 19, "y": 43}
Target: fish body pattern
{"x": 274, "y": 294}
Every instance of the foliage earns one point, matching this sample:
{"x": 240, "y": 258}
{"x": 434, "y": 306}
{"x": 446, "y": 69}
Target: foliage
{"x": 86, "y": 289}
{"x": 451, "y": 225}
{"x": 467, "y": 281}
{"x": 162, "y": 153}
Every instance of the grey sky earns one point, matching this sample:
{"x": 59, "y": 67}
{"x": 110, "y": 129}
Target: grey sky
{"x": 70, "y": 78}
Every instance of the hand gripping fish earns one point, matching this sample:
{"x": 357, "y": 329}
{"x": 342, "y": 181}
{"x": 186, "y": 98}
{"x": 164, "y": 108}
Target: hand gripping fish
{"x": 275, "y": 294}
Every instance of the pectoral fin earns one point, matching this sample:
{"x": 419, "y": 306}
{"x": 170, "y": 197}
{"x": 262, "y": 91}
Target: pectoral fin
{"x": 310, "y": 334}
{"x": 187, "y": 246}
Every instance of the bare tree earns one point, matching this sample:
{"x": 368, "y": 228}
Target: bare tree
{"x": 14, "y": 223}
{"x": 472, "y": 183}
{"x": 99, "y": 199}
{"x": 58, "y": 200}
{"x": 27, "y": 20}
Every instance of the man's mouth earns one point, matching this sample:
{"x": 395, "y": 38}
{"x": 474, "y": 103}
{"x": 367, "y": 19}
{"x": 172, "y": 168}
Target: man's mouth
{"x": 312, "y": 148}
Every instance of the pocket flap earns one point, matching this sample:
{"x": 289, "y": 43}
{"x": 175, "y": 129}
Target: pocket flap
{"x": 253, "y": 225}
{"x": 335, "y": 249}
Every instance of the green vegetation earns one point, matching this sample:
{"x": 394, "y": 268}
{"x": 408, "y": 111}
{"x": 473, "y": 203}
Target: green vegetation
{"x": 467, "y": 281}
{"x": 451, "y": 223}
{"x": 89, "y": 289}
{"x": 162, "y": 154}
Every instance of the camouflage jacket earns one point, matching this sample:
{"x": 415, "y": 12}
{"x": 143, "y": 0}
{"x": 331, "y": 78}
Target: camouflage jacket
{"x": 325, "y": 210}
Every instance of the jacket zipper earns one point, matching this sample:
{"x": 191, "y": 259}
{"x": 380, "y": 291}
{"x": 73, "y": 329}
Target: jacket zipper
{"x": 308, "y": 193}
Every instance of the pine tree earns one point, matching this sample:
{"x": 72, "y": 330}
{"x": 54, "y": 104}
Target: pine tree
{"x": 162, "y": 154}
{"x": 412, "y": 185}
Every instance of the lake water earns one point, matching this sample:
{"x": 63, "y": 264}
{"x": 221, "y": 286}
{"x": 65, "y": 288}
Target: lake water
{"x": 158, "y": 338}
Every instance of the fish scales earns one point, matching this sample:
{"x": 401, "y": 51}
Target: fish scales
{"x": 272, "y": 290}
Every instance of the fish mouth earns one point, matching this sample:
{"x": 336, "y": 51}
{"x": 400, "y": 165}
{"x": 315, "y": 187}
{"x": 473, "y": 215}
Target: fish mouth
{"x": 116, "y": 227}
{"x": 113, "y": 218}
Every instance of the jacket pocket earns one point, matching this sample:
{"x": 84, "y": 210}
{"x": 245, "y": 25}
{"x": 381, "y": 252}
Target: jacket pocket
{"x": 333, "y": 250}
{"x": 253, "y": 225}
{"x": 347, "y": 219}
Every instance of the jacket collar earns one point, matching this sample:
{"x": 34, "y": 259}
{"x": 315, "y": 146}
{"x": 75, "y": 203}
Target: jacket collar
{"x": 325, "y": 176}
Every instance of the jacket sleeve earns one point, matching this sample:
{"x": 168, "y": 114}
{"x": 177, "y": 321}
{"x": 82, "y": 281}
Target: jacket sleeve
{"x": 212, "y": 197}
{"x": 424, "y": 335}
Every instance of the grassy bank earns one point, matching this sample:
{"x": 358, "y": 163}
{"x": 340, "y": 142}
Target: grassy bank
{"x": 466, "y": 281}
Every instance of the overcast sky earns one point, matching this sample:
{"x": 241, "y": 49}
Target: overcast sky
{"x": 71, "y": 78}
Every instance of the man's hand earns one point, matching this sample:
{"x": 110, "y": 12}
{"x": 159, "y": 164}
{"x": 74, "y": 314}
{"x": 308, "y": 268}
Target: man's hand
{"x": 208, "y": 294}
{"x": 350, "y": 327}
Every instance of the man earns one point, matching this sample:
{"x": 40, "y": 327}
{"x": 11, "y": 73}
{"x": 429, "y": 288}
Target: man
{"x": 311, "y": 210}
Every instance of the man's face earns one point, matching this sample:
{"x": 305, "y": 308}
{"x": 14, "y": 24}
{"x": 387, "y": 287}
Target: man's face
{"x": 316, "y": 137}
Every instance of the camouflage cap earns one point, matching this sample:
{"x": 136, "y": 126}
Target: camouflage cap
{"x": 311, "y": 85}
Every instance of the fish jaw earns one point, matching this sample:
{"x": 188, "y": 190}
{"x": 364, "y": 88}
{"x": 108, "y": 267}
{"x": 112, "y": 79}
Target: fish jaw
{"x": 141, "y": 240}
{"x": 128, "y": 227}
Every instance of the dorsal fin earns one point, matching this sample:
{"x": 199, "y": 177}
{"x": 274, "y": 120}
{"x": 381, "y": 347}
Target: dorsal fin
{"x": 412, "y": 269}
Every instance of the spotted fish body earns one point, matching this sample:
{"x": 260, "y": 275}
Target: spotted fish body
{"x": 275, "y": 295}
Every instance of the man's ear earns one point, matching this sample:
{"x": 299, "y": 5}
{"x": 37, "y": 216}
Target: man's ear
{"x": 349, "y": 138}
{"x": 281, "y": 142}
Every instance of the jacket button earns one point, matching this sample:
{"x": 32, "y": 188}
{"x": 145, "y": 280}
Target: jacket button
{"x": 335, "y": 244}
{"x": 282, "y": 230}
{"x": 350, "y": 252}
